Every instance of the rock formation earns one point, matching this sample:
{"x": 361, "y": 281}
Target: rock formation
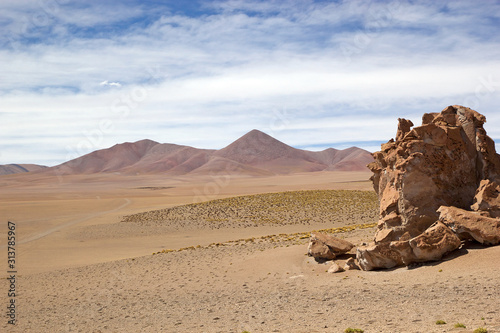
{"x": 326, "y": 247}
{"x": 448, "y": 161}
{"x": 487, "y": 200}
{"x": 471, "y": 225}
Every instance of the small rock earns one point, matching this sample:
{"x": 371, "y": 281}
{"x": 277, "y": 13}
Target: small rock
{"x": 350, "y": 264}
{"x": 327, "y": 247}
{"x": 335, "y": 268}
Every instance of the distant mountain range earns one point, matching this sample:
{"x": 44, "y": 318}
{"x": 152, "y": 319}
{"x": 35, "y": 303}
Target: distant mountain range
{"x": 9, "y": 169}
{"x": 255, "y": 153}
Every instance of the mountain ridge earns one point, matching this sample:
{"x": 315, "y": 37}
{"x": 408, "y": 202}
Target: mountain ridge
{"x": 9, "y": 169}
{"x": 255, "y": 153}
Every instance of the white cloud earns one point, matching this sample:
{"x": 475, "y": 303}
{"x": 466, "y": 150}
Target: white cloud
{"x": 345, "y": 71}
{"x": 106, "y": 83}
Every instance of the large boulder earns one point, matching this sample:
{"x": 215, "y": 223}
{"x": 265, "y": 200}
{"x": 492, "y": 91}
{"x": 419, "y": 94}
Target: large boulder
{"x": 431, "y": 245}
{"x": 471, "y": 225}
{"x": 440, "y": 163}
{"x": 323, "y": 246}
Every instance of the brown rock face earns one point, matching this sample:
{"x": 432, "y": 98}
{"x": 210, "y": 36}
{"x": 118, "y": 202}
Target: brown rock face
{"x": 431, "y": 245}
{"x": 327, "y": 247}
{"x": 487, "y": 199}
{"x": 440, "y": 163}
{"x": 471, "y": 225}
{"x": 378, "y": 256}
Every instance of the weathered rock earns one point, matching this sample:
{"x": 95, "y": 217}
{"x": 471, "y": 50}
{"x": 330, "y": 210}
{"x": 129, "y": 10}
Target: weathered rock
{"x": 404, "y": 126}
{"x": 324, "y": 246}
{"x": 383, "y": 235}
{"x": 440, "y": 163}
{"x": 335, "y": 268}
{"x": 471, "y": 225}
{"x": 431, "y": 245}
{"x": 350, "y": 264}
{"x": 487, "y": 198}
{"x": 319, "y": 250}
{"x": 434, "y": 243}
{"x": 378, "y": 256}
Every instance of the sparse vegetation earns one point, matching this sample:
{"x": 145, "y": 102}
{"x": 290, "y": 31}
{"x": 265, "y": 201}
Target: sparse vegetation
{"x": 353, "y": 330}
{"x": 440, "y": 322}
{"x": 283, "y": 208}
{"x": 459, "y": 325}
{"x": 281, "y": 239}
{"x": 480, "y": 330}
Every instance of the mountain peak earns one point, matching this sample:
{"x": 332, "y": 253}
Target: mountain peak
{"x": 255, "y": 146}
{"x": 255, "y": 134}
{"x": 255, "y": 153}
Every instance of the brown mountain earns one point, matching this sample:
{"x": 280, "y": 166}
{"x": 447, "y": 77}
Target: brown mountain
{"x": 9, "y": 169}
{"x": 255, "y": 153}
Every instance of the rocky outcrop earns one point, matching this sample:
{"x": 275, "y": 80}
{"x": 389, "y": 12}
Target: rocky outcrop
{"x": 322, "y": 246}
{"x": 471, "y": 225}
{"x": 447, "y": 161}
{"x": 487, "y": 199}
{"x": 431, "y": 245}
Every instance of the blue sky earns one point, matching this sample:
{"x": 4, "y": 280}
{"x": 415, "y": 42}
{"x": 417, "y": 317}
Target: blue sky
{"x": 76, "y": 76}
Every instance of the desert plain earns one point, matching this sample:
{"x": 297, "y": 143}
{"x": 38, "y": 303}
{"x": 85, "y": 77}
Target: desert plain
{"x": 89, "y": 260}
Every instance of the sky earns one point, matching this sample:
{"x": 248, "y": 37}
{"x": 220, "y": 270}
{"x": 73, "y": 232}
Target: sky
{"x": 77, "y": 76}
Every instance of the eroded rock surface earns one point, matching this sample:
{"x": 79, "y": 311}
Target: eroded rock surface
{"x": 487, "y": 199}
{"x": 447, "y": 161}
{"x": 323, "y": 246}
{"x": 471, "y": 225}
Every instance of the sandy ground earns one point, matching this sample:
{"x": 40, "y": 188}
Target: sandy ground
{"x": 76, "y": 276}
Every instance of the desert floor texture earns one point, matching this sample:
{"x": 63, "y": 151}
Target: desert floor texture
{"x": 98, "y": 253}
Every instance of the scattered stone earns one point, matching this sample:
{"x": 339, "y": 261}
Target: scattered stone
{"x": 471, "y": 225}
{"x": 335, "y": 268}
{"x": 350, "y": 264}
{"x": 327, "y": 247}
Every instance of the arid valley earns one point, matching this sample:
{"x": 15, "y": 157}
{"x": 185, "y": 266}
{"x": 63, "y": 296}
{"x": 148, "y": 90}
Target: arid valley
{"x": 249, "y": 166}
{"x": 81, "y": 269}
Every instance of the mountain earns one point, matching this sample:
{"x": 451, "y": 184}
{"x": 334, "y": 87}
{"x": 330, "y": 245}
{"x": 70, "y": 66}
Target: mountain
{"x": 9, "y": 169}
{"x": 107, "y": 160}
{"x": 255, "y": 153}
